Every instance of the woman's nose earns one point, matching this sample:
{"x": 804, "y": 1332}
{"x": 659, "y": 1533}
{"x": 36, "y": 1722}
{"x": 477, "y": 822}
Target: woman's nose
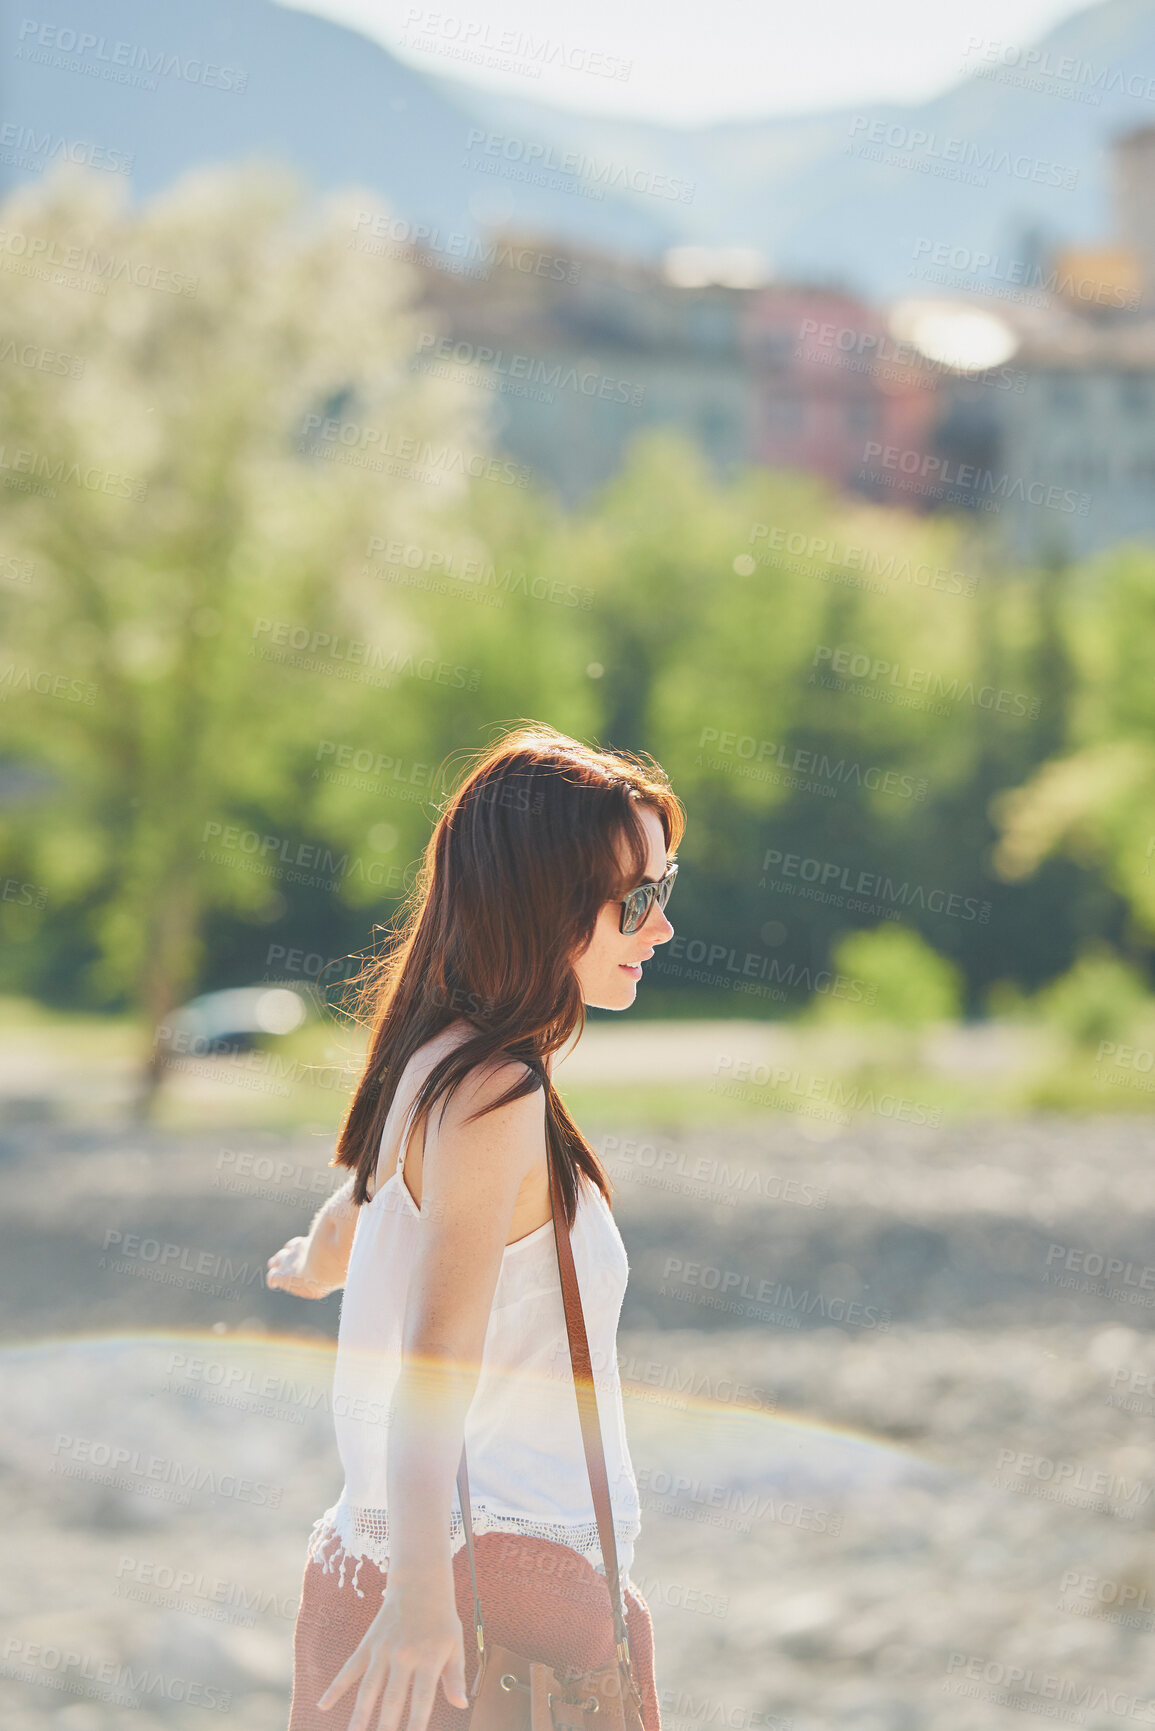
{"x": 662, "y": 930}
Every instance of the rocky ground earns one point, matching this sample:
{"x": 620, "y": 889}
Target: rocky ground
{"x": 891, "y": 1399}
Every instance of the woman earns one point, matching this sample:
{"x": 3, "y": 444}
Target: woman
{"x": 542, "y": 890}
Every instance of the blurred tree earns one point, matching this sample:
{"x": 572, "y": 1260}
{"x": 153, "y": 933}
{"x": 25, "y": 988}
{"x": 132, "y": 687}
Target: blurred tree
{"x": 1095, "y": 803}
{"x": 195, "y": 484}
{"x": 913, "y": 984}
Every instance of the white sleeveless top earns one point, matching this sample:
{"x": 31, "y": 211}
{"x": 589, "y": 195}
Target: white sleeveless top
{"x": 527, "y": 1466}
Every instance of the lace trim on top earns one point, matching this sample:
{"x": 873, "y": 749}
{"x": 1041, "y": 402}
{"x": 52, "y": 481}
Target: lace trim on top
{"x": 367, "y": 1539}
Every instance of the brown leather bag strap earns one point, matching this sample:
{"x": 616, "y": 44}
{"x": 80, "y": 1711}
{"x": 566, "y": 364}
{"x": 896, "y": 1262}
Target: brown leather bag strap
{"x": 583, "y": 1376}
{"x": 588, "y": 1417}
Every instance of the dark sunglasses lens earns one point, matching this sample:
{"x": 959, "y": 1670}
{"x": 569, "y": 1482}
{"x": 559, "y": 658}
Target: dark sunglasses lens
{"x": 635, "y": 908}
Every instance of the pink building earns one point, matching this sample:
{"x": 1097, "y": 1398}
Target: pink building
{"x": 827, "y": 380}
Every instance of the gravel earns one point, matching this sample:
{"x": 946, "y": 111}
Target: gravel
{"x": 889, "y": 1393}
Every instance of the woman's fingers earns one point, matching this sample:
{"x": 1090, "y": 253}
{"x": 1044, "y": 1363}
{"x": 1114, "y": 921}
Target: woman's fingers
{"x": 394, "y": 1700}
{"x": 424, "y": 1691}
{"x": 354, "y": 1665}
{"x": 453, "y": 1678}
{"x": 287, "y": 1253}
{"x": 410, "y": 1664}
{"x": 285, "y": 1272}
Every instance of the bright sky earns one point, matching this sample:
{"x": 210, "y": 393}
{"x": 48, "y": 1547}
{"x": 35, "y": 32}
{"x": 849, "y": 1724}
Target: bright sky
{"x": 685, "y": 63}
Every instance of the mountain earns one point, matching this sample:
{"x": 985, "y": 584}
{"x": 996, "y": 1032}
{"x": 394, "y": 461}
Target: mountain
{"x": 797, "y": 190}
{"x": 336, "y": 106}
{"x": 984, "y": 166}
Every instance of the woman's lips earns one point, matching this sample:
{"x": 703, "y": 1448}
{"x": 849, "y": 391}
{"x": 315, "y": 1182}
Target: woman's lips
{"x": 633, "y": 969}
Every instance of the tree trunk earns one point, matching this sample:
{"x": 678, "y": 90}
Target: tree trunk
{"x": 166, "y": 973}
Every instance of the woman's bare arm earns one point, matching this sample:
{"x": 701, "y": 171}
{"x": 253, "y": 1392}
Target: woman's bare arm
{"x": 470, "y": 1178}
{"x": 470, "y": 1182}
{"x": 316, "y": 1265}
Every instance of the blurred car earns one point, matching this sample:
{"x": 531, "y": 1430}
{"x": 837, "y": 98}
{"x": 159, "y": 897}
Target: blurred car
{"x": 231, "y": 1021}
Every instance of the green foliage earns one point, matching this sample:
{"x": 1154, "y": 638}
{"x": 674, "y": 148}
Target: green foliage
{"x": 185, "y": 524}
{"x": 912, "y": 984}
{"x": 1098, "y": 999}
{"x": 245, "y": 650}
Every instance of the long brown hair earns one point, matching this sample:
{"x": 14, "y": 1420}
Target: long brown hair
{"x": 520, "y": 863}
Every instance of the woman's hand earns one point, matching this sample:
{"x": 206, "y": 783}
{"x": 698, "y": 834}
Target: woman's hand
{"x": 416, "y": 1638}
{"x": 289, "y": 1272}
{"x": 316, "y": 1265}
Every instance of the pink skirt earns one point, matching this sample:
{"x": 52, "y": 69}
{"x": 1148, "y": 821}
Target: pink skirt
{"x": 536, "y": 1597}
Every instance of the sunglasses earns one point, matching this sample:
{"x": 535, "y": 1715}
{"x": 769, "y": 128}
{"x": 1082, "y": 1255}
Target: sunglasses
{"x": 636, "y": 906}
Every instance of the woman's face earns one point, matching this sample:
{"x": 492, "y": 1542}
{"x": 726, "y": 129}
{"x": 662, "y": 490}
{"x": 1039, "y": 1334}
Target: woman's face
{"x": 609, "y": 968}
